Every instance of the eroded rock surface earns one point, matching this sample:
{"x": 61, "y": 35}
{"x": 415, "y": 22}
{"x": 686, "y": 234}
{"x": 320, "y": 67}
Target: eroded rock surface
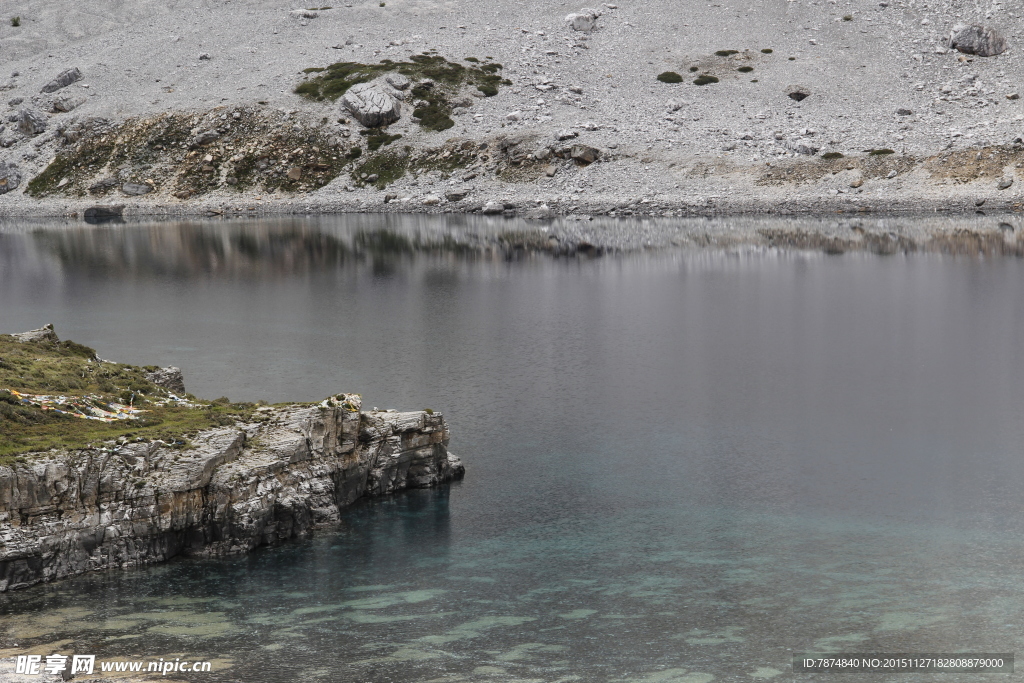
{"x": 239, "y": 487}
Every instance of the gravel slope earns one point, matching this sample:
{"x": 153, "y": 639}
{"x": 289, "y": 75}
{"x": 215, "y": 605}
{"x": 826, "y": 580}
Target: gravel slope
{"x": 666, "y": 148}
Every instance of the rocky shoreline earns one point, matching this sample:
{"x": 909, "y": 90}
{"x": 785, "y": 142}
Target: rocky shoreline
{"x": 281, "y": 474}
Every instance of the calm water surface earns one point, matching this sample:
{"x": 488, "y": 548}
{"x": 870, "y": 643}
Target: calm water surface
{"x": 682, "y": 467}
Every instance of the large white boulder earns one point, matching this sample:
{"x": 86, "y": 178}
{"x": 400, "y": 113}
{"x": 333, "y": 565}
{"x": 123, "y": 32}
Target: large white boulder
{"x": 372, "y": 104}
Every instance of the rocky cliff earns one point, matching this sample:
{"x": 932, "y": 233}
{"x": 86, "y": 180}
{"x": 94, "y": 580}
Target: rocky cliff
{"x": 288, "y": 471}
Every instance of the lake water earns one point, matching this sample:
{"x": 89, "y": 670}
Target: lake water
{"x": 681, "y": 466}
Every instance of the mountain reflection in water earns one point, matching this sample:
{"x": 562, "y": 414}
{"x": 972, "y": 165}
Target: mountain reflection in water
{"x": 682, "y": 466}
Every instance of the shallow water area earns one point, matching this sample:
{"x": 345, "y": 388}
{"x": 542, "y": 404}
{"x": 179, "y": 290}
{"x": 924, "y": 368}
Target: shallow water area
{"x": 682, "y": 465}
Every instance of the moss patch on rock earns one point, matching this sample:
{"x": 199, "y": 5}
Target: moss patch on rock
{"x": 670, "y": 77}
{"x": 705, "y": 80}
{"x": 437, "y": 81}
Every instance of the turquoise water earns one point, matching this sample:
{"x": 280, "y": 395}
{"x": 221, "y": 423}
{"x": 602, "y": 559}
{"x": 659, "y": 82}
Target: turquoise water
{"x": 682, "y": 467}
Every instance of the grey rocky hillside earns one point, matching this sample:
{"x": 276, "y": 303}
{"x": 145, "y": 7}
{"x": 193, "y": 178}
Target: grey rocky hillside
{"x": 175, "y": 107}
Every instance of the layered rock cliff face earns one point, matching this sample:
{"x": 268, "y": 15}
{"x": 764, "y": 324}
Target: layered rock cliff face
{"x": 289, "y": 471}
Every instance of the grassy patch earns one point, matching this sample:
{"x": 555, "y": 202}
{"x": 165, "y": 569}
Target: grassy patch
{"x": 72, "y": 370}
{"x": 767, "y": 50}
{"x": 694, "y": 69}
{"x": 376, "y": 138}
{"x": 726, "y": 53}
{"x": 879, "y": 152}
{"x": 15, "y": 21}
{"x": 705, "y": 80}
{"x": 832, "y": 155}
{"x": 670, "y": 77}
{"x": 745, "y": 69}
{"x": 390, "y": 165}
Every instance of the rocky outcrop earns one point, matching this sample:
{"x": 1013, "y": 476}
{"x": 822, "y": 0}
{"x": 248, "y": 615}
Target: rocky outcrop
{"x": 169, "y": 378}
{"x": 44, "y": 333}
{"x": 63, "y": 80}
{"x": 291, "y": 470}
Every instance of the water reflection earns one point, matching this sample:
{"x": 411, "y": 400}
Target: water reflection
{"x": 682, "y": 466}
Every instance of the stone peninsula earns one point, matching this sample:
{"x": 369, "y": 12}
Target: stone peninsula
{"x": 127, "y": 481}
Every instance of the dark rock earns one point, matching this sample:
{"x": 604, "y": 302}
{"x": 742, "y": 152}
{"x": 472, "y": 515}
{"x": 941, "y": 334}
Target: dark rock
{"x": 31, "y": 122}
{"x": 63, "y": 79}
{"x": 204, "y": 138}
{"x": 904, "y": 112}
{"x": 10, "y": 177}
{"x": 169, "y": 378}
{"x": 103, "y": 185}
{"x": 456, "y": 195}
{"x": 15, "y": 101}
{"x": 136, "y": 189}
{"x": 584, "y": 154}
{"x": 977, "y": 40}
{"x": 566, "y": 135}
{"x": 100, "y": 214}
{"x": 797, "y": 93}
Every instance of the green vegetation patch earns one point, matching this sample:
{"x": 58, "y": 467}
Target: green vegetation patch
{"x": 330, "y": 83}
{"x": 767, "y": 50}
{"x": 71, "y": 370}
{"x": 745, "y": 69}
{"x": 832, "y": 155}
{"x": 694, "y": 69}
{"x": 670, "y": 77}
{"x": 879, "y": 152}
{"x": 705, "y": 80}
{"x": 434, "y": 109}
{"x": 377, "y": 138}
{"x": 390, "y": 165}
{"x": 726, "y": 53}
